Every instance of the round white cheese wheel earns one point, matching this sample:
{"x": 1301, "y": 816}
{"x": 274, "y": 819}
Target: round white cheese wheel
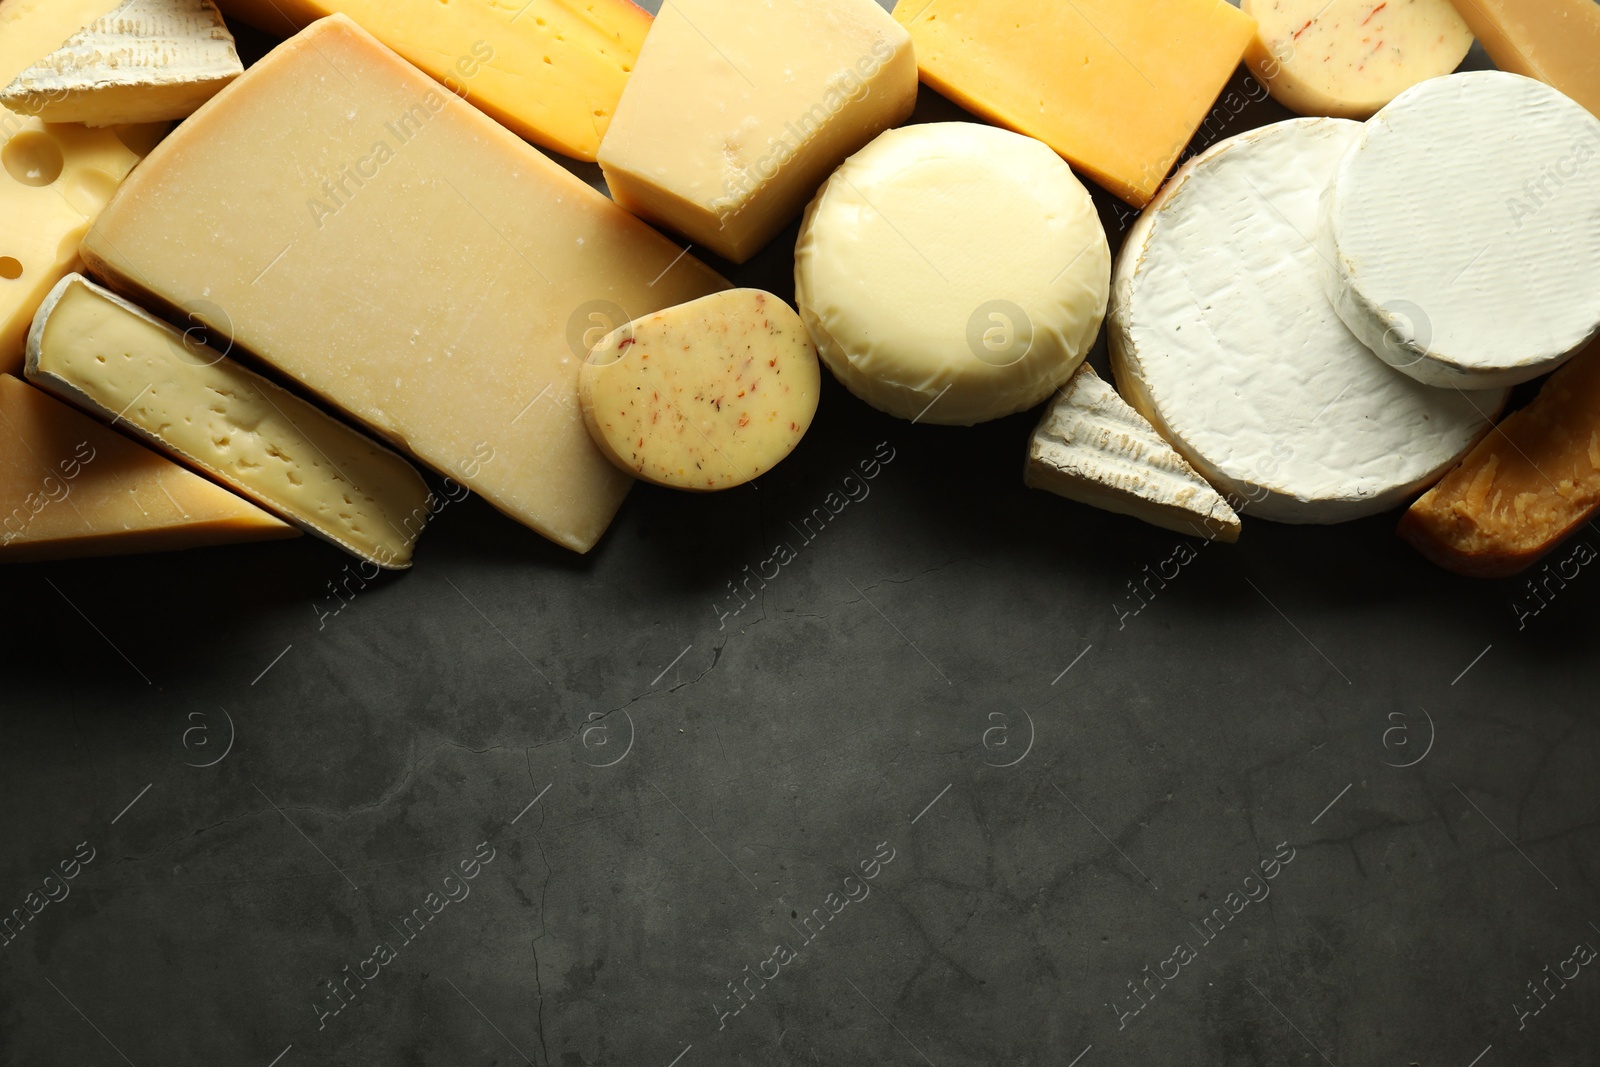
{"x": 1220, "y": 336}
{"x": 952, "y": 272}
{"x": 1462, "y": 231}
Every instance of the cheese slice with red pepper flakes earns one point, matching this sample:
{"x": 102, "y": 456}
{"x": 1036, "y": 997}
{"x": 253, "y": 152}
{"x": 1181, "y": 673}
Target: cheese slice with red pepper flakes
{"x": 704, "y": 396}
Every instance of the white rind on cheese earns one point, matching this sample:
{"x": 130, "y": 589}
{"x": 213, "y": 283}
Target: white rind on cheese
{"x": 1220, "y": 336}
{"x": 1092, "y": 447}
{"x": 1461, "y": 233}
{"x": 145, "y": 61}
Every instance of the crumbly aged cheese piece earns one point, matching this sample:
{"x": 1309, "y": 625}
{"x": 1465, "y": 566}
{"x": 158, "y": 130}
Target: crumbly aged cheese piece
{"x": 1093, "y": 448}
{"x": 729, "y": 124}
{"x": 263, "y": 442}
{"x": 145, "y": 61}
{"x": 53, "y": 182}
{"x": 1555, "y": 41}
{"x": 1461, "y": 232}
{"x": 407, "y": 259}
{"x": 704, "y": 396}
{"x": 1221, "y": 337}
{"x": 1116, "y": 87}
{"x": 550, "y": 70}
{"x": 1350, "y": 57}
{"x": 1525, "y": 488}
{"x": 952, "y": 272}
{"x": 71, "y": 487}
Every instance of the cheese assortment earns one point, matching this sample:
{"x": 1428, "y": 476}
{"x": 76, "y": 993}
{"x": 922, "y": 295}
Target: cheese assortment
{"x": 704, "y": 396}
{"x": 70, "y": 487}
{"x": 952, "y": 273}
{"x": 1220, "y": 336}
{"x": 1493, "y": 277}
{"x": 96, "y": 350}
{"x": 726, "y": 129}
{"x": 1348, "y": 58}
{"x": 1555, "y": 41}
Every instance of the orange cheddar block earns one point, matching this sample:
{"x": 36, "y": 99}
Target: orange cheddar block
{"x": 1555, "y": 41}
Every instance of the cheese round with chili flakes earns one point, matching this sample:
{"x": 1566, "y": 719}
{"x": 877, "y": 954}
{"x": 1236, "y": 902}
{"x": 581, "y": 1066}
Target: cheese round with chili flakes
{"x": 704, "y": 396}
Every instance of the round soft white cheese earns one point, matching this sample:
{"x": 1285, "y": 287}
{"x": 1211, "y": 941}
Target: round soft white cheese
{"x": 1220, "y": 335}
{"x": 952, "y": 272}
{"x": 1461, "y": 232}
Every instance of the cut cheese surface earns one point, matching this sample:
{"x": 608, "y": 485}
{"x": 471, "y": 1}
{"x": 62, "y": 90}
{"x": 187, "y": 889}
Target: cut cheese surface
{"x": 1555, "y": 41}
{"x": 550, "y": 70}
{"x": 1493, "y": 276}
{"x": 704, "y": 396}
{"x": 265, "y": 443}
{"x": 71, "y": 487}
{"x": 1524, "y": 488}
{"x": 729, "y": 122}
{"x": 952, "y": 273}
{"x": 1348, "y": 58}
{"x": 1221, "y": 337}
{"x": 144, "y": 61}
{"x": 1116, "y": 87}
{"x": 405, "y": 258}
{"x": 1092, "y": 447}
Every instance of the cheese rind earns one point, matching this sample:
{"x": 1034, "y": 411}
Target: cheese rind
{"x": 191, "y": 401}
{"x": 32, "y": 29}
{"x": 145, "y": 61}
{"x": 1555, "y": 41}
{"x": 1348, "y": 58}
{"x": 406, "y": 259}
{"x": 952, "y": 273}
{"x": 1221, "y": 337}
{"x": 70, "y": 487}
{"x": 729, "y": 123}
{"x": 1461, "y": 232}
{"x": 1092, "y": 447}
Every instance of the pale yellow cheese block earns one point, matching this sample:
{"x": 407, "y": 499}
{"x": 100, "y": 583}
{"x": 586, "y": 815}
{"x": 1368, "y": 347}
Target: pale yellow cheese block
{"x": 739, "y": 109}
{"x": 404, "y": 257}
{"x": 194, "y": 403}
{"x": 71, "y": 487}
{"x": 1555, "y": 41}
{"x": 704, "y": 396}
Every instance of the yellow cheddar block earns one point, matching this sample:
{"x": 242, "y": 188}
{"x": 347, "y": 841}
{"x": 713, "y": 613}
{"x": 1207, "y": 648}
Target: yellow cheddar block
{"x": 1117, "y": 87}
{"x": 1555, "y": 41}
{"x": 550, "y": 70}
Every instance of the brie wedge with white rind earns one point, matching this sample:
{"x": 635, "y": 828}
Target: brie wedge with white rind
{"x": 952, "y": 272}
{"x": 1461, "y": 232}
{"x": 1093, "y": 448}
{"x": 1220, "y": 335}
{"x": 145, "y": 61}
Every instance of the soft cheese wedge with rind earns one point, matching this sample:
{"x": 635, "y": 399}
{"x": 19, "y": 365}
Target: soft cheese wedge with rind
{"x": 704, "y": 396}
{"x": 110, "y": 357}
{"x": 1221, "y": 337}
{"x": 1555, "y": 41}
{"x": 70, "y": 487}
{"x": 1092, "y": 447}
{"x": 1461, "y": 231}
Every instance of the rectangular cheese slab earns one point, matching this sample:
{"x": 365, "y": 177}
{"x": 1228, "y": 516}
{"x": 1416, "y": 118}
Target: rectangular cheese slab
{"x": 1117, "y": 87}
{"x": 739, "y": 109}
{"x": 551, "y": 70}
{"x": 70, "y": 487}
{"x": 194, "y": 403}
{"x": 1555, "y": 41}
{"x": 361, "y": 230}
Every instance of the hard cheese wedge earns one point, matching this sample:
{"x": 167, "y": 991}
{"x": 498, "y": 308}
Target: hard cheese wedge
{"x": 552, "y": 70}
{"x": 1525, "y": 488}
{"x": 1116, "y": 87}
{"x": 704, "y": 396}
{"x": 406, "y": 258}
{"x": 71, "y": 487}
{"x": 145, "y": 61}
{"x": 740, "y": 108}
{"x": 1093, "y": 448}
{"x": 106, "y": 355}
{"x": 1556, "y": 41}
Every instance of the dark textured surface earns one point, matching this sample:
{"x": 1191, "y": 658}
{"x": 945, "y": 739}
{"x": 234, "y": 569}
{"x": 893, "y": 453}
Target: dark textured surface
{"x": 948, "y": 673}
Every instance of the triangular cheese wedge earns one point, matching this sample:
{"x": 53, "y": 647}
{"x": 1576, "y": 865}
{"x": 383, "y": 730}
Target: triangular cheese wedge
{"x": 71, "y": 487}
{"x": 145, "y": 61}
{"x": 1093, "y": 448}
